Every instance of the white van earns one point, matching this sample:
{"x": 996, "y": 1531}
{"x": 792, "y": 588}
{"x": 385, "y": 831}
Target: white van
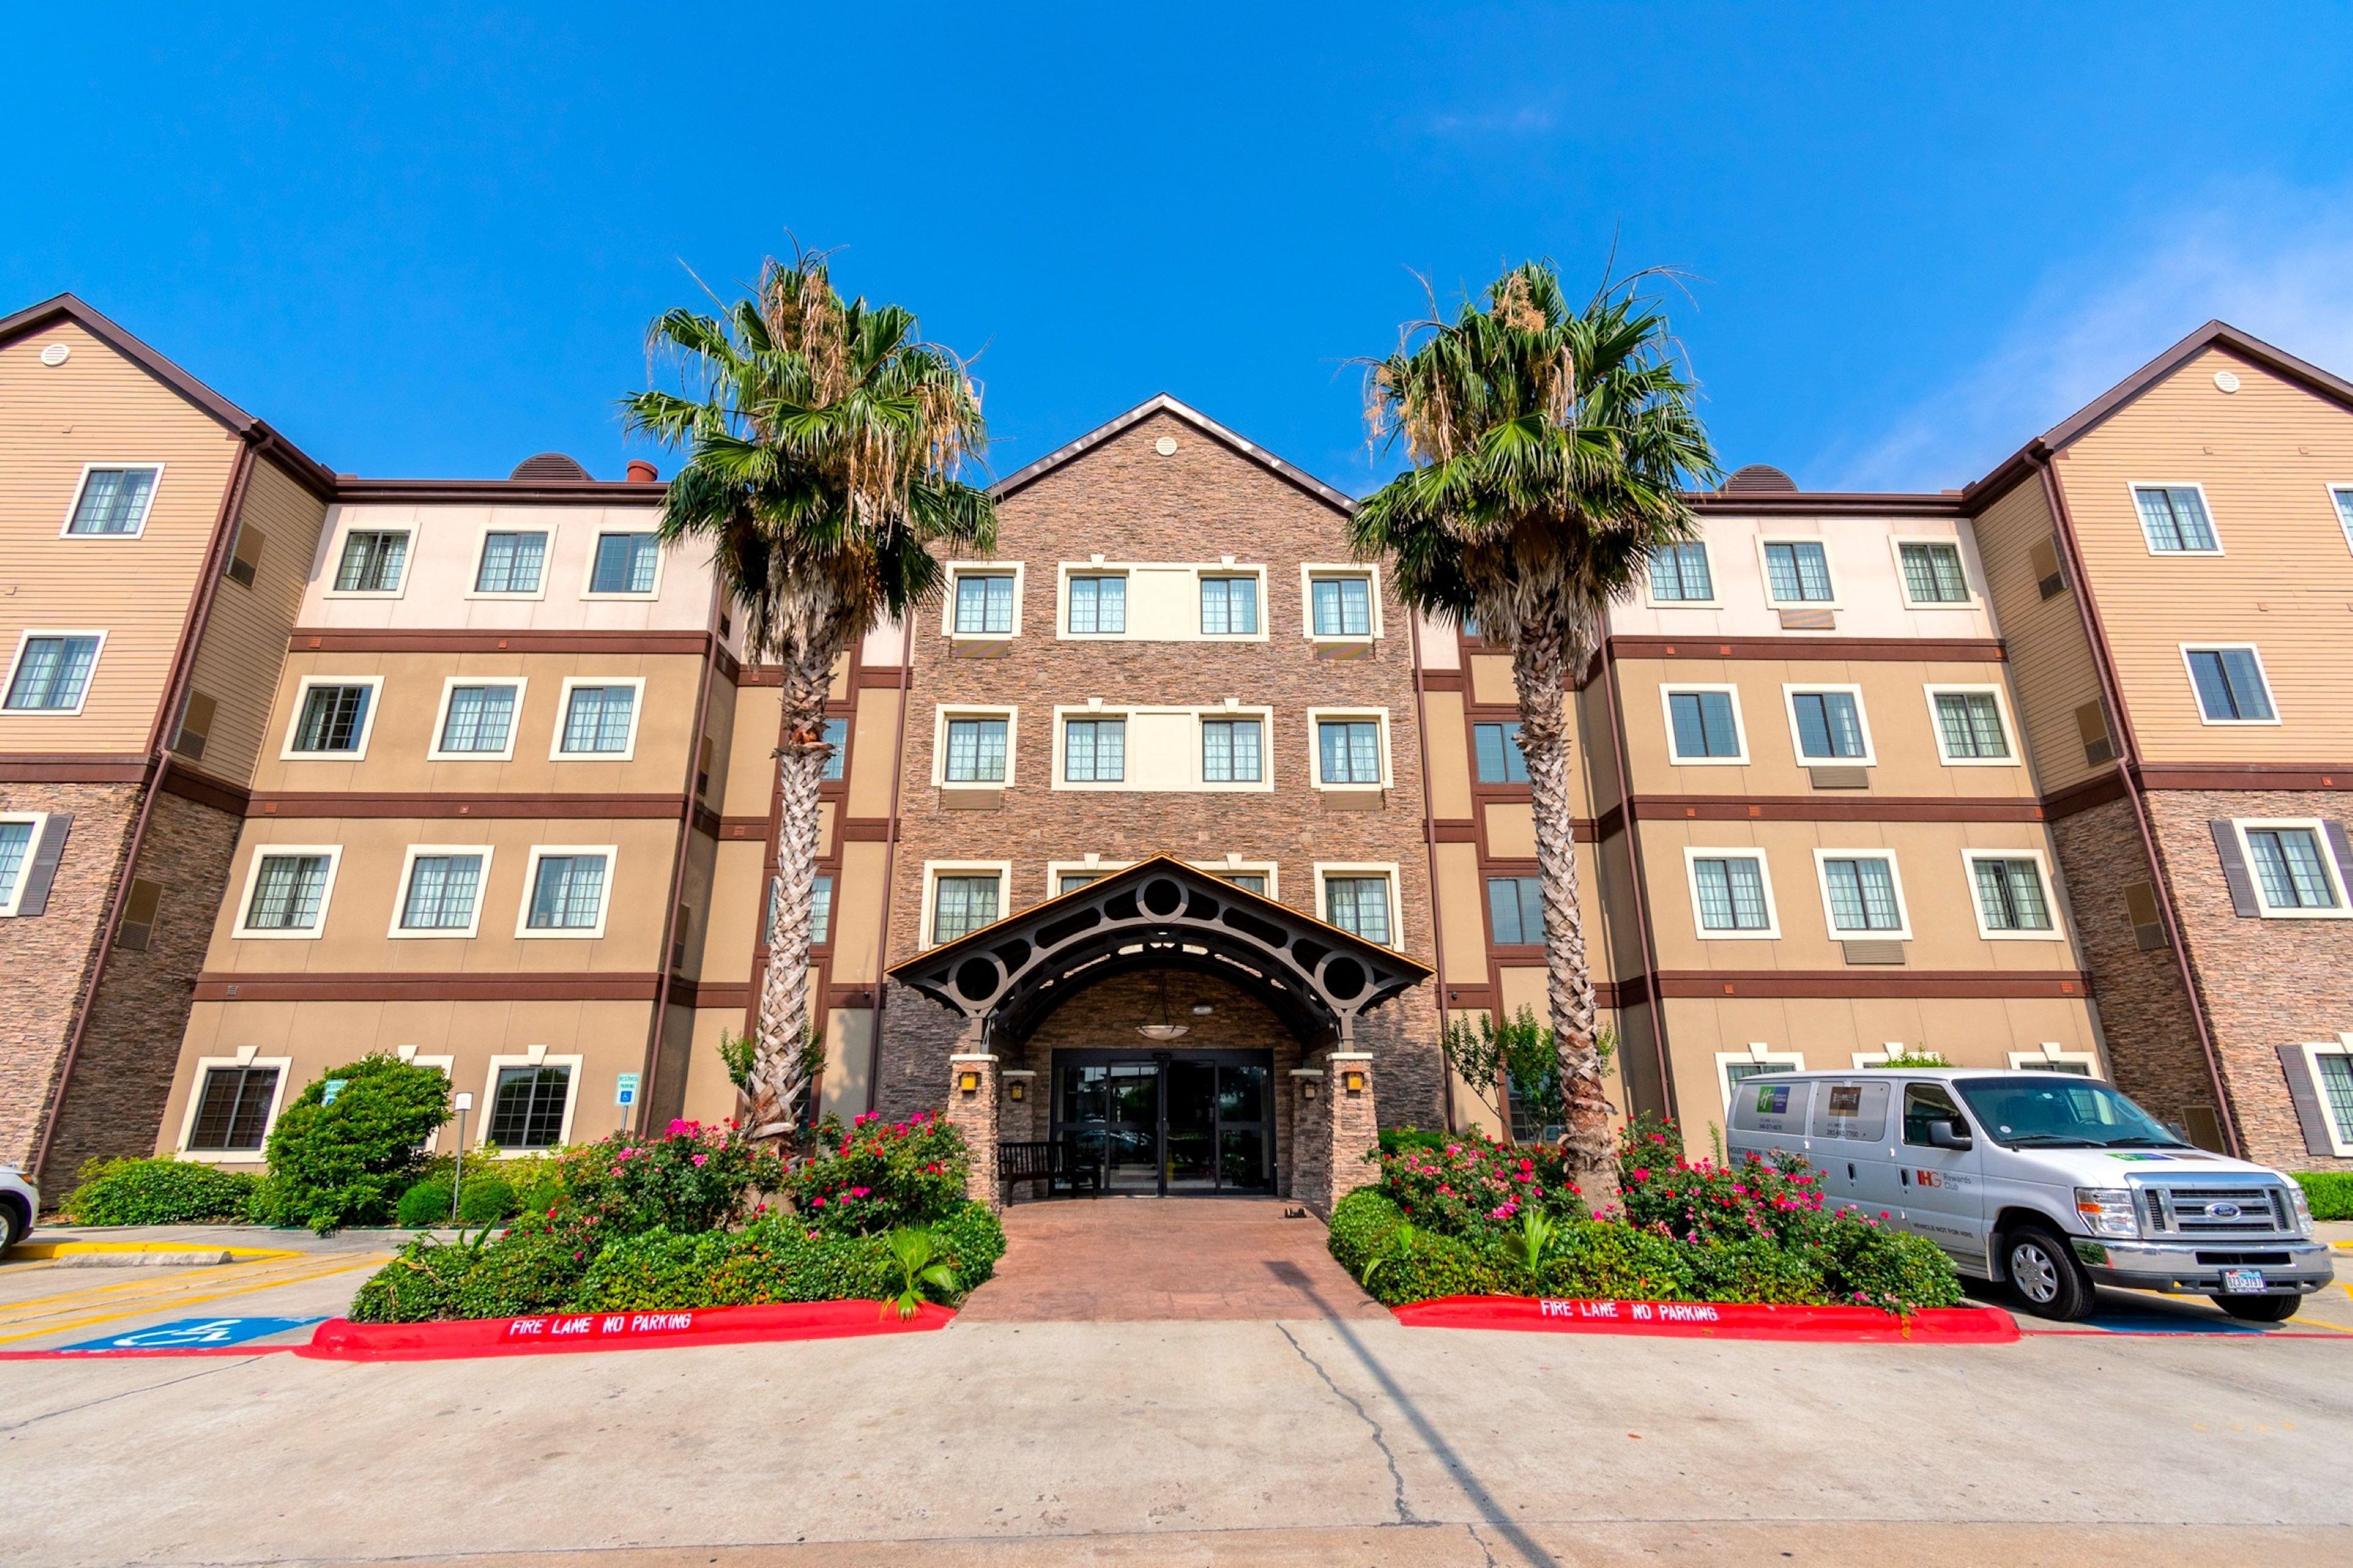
{"x": 2047, "y": 1180}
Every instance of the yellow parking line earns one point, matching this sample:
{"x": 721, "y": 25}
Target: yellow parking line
{"x": 147, "y": 1283}
{"x": 38, "y": 1250}
{"x": 188, "y": 1301}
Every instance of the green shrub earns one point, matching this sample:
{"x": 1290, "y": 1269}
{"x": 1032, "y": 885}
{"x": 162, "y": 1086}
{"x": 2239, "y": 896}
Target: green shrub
{"x": 1368, "y": 1228}
{"x": 1606, "y": 1261}
{"x": 780, "y": 1258}
{"x": 1396, "y": 1140}
{"x": 1867, "y": 1264}
{"x": 2331, "y": 1192}
{"x": 345, "y": 1163}
{"x": 485, "y": 1200}
{"x": 691, "y": 1178}
{"x": 1754, "y": 1271}
{"x": 158, "y": 1192}
{"x": 421, "y": 1281}
{"x": 536, "y": 1267}
{"x": 425, "y": 1205}
{"x": 876, "y": 1176}
{"x": 537, "y": 1180}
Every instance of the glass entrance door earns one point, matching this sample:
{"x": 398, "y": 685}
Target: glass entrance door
{"x": 1169, "y": 1122}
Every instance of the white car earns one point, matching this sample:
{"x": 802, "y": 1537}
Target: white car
{"x": 20, "y": 1202}
{"x": 2051, "y": 1180}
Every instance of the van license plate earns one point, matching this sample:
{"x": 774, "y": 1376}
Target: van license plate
{"x": 2242, "y": 1282}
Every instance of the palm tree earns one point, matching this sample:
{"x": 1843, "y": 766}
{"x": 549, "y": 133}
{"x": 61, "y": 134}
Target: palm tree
{"x": 1550, "y": 452}
{"x": 826, "y": 447}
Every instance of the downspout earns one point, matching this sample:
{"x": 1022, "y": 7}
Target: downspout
{"x": 151, "y": 780}
{"x": 677, "y": 869}
{"x": 1640, "y": 878}
{"x": 890, "y": 858}
{"x": 1430, "y": 848}
{"x": 2129, "y": 770}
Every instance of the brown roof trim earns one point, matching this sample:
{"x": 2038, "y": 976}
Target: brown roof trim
{"x": 1810, "y": 503}
{"x": 331, "y": 639}
{"x": 66, "y": 767}
{"x": 487, "y": 807}
{"x": 235, "y": 985}
{"x": 1804, "y": 647}
{"x": 2315, "y": 776}
{"x": 1022, "y": 478}
{"x": 352, "y": 489}
{"x": 193, "y": 784}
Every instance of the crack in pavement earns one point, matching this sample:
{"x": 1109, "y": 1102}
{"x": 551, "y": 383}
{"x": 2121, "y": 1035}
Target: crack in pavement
{"x": 1484, "y": 1549}
{"x": 1404, "y": 1514}
{"x": 127, "y": 1394}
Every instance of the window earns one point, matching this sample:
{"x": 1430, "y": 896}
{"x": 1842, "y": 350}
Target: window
{"x": 1736, "y": 1070}
{"x": 2343, "y": 496}
{"x": 1071, "y": 881}
{"x": 2231, "y": 686}
{"x": 16, "y": 836}
{"x": 1099, "y": 605}
{"x": 567, "y": 891}
{"x": 1497, "y": 747}
{"x": 196, "y": 716}
{"x": 1230, "y": 752}
{"x": 1515, "y": 910}
{"x": 1828, "y": 726}
{"x": 1860, "y": 893}
{"x": 2293, "y": 875}
{"x": 1247, "y": 881}
{"x": 371, "y": 560}
{"x": 821, "y": 911}
{"x": 599, "y": 720}
{"x": 232, "y": 1114}
{"x": 512, "y": 563}
{"x": 479, "y": 721}
{"x": 333, "y": 719}
{"x": 836, "y": 735}
{"x": 1969, "y": 727}
{"x": 1796, "y": 571}
{"x": 2080, "y": 1064}
{"x": 1704, "y": 726}
{"x": 1730, "y": 894}
{"x": 1679, "y": 574}
{"x": 1348, "y": 750}
{"x": 962, "y": 905}
{"x": 2010, "y": 897}
{"x": 113, "y": 501}
{"x": 976, "y": 751}
{"x": 527, "y": 1107}
{"x": 624, "y": 563}
{"x": 1932, "y": 572}
{"x": 52, "y": 673}
{"x": 1228, "y": 606}
{"x": 442, "y": 891}
{"x": 245, "y": 556}
{"x": 1341, "y": 606}
{"x": 1358, "y": 904}
{"x": 288, "y": 893}
{"x": 1924, "y": 1104}
{"x": 2173, "y": 518}
{"x": 1094, "y": 750}
{"x": 984, "y": 603}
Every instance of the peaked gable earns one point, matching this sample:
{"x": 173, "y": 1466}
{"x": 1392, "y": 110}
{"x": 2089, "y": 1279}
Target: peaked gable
{"x": 1022, "y": 478}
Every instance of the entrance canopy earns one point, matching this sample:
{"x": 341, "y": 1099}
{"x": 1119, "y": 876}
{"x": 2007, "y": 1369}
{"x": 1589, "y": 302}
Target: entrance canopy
{"x": 1161, "y": 913}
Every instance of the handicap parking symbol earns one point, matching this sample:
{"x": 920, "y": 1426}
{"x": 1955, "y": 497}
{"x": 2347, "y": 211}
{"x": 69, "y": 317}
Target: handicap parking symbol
{"x": 196, "y": 1333}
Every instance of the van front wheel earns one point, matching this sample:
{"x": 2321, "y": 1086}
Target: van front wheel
{"x": 2044, "y": 1275}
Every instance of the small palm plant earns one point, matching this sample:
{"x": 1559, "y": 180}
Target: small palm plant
{"x": 917, "y": 1252}
{"x": 1404, "y": 1242}
{"x": 1539, "y": 1234}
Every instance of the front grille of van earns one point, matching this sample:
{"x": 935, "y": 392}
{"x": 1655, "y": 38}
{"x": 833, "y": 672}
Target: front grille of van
{"x": 2190, "y": 1211}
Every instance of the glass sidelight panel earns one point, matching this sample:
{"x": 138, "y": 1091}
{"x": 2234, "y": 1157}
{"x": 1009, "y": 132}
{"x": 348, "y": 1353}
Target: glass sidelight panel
{"x": 1191, "y": 1148}
{"x": 1132, "y": 1131}
{"x": 1245, "y": 1132}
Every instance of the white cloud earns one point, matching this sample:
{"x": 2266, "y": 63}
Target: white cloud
{"x": 2278, "y": 264}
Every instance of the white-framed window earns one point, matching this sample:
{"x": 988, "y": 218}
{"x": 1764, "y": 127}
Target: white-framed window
{"x": 1094, "y": 750}
{"x": 1735, "y": 1067}
{"x": 623, "y": 565}
{"x": 1933, "y": 573}
{"x": 2010, "y": 889}
{"x": 1972, "y": 726}
{"x": 372, "y": 564}
{"x": 1161, "y": 600}
{"x": 287, "y": 890}
{"x": 1731, "y": 894}
{"x": 441, "y": 887}
{"x": 596, "y": 718}
{"x": 1827, "y": 725}
{"x": 566, "y": 890}
{"x": 1361, "y": 900}
{"x": 528, "y": 1102}
{"x": 477, "y": 719}
{"x": 2341, "y": 497}
{"x": 52, "y": 672}
{"x": 2294, "y": 873}
{"x": 1863, "y": 895}
{"x": 962, "y": 896}
{"x": 2229, "y": 680}
{"x": 1250, "y": 875}
{"x": 1516, "y": 911}
{"x": 1229, "y": 605}
{"x": 820, "y": 910}
{"x": 1680, "y": 576}
{"x": 1351, "y": 748}
{"x": 2330, "y": 1065}
{"x": 1797, "y": 572}
{"x": 513, "y": 565}
{"x": 1070, "y": 876}
{"x": 1495, "y": 752}
{"x": 1095, "y": 604}
{"x": 232, "y": 1105}
{"x": 973, "y": 748}
{"x": 1703, "y": 727}
{"x": 2174, "y": 520}
{"x": 20, "y": 838}
{"x": 1344, "y": 602}
{"x": 1233, "y": 751}
{"x": 333, "y": 716}
{"x": 112, "y": 500}
{"x": 2053, "y": 1058}
{"x": 984, "y": 600}
{"x": 836, "y": 733}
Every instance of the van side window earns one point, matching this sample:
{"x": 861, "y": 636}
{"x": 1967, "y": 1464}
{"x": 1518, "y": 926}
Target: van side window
{"x": 1925, "y": 1103}
{"x": 1851, "y": 1110}
{"x": 1765, "y": 1104}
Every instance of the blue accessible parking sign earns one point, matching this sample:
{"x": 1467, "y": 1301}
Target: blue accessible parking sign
{"x": 196, "y": 1333}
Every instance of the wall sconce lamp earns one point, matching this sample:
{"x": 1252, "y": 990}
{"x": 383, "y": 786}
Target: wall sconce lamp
{"x": 1354, "y": 1081}
{"x": 1016, "y": 1089}
{"x": 969, "y": 1082}
{"x": 1307, "y": 1089}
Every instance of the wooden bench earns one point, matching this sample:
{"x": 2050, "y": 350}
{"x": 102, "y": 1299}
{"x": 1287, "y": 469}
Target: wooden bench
{"x": 1049, "y": 1162}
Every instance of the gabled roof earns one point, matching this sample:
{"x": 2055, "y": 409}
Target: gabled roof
{"x": 1022, "y": 478}
{"x": 67, "y": 308}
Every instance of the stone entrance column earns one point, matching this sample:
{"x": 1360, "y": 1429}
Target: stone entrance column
{"x": 973, "y": 1109}
{"x": 1355, "y": 1132}
{"x": 1307, "y": 1164}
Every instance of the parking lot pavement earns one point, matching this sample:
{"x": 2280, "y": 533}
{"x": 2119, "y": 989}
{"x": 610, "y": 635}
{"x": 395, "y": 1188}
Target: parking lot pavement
{"x": 130, "y": 1287}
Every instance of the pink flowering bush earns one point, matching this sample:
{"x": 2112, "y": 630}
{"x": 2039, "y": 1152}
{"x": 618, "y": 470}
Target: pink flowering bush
{"x": 1703, "y": 1201}
{"x": 1470, "y": 1187}
{"x": 692, "y": 1176}
{"x": 875, "y": 1175}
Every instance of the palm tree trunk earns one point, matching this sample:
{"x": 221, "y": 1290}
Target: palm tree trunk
{"x": 1544, "y": 662}
{"x": 780, "y": 1066}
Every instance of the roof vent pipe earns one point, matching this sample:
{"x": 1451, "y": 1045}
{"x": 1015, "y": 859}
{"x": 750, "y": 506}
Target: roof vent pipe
{"x": 642, "y": 472}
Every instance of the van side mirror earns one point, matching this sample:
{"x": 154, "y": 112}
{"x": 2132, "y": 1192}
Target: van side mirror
{"x": 1947, "y": 1134}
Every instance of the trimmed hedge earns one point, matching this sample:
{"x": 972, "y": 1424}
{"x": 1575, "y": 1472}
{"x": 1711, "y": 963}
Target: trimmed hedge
{"x": 347, "y": 1162}
{"x": 159, "y": 1192}
{"x": 2331, "y": 1192}
{"x": 486, "y": 1200}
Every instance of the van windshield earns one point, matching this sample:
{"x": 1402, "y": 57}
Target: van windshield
{"x": 2042, "y": 1113}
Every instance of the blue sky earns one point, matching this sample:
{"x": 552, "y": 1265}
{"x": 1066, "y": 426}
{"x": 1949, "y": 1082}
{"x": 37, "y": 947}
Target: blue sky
{"x": 427, "y": 240}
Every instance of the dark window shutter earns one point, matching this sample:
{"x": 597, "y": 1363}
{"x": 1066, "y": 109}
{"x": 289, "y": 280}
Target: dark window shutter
{"x": 2342, "y": 847}
{"x": 2310, "y": 1114}
{"x": 35, "y": 900}
{"x": 2234, "y": 870}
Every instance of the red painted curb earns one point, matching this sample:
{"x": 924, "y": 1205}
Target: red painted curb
{"x": 340, "y": 1339}
{"x": 1715, "y": 1320}
{"x": 145, "y": 1350}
